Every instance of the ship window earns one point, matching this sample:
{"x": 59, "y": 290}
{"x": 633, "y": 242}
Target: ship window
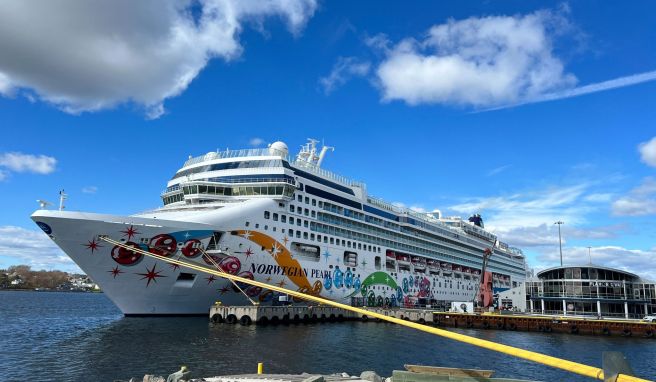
{"x": 300, "y": 198}
{"x": 312, "y": 236}
{"x": 314, "y": 214}
{"x": 291, "y": 208}
{"x": 348, "y": 244}
{"x": 325, "y": 239}
{"x": 307, "y": 212}
{"x": 186, "y": 276}
{"x": 370, "y": 248}
{"x": 377, "y": 262}
{"x": 274, "y": 229}
{"x": 291, "y": 220}
{"x": 305, "y": 235}
{"x": 314, "y": 202}
{"x": 305, "y": 223}
{"x": 332, "y": 240}
{"x": 267, "y": 214}
{"x": 343, "y": 243}
{"x": 283, "y": 218}
{"x": 291, "y": 232}
{"x": 307, "y": 200}
{"x": 257, "y": 225}
{"x": 247, "y": 224}
{"x": 320, "y": 204}
{"x": 359, "y": 245}
{"x": 298, "y": 234}
{"x": 275, "y": 217}
{"x": 319, "y": 238}
{"x": 266, "y": 227}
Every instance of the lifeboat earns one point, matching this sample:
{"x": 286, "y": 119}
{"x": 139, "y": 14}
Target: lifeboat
{"x": 419, "y": 262}
{"x": 390, "y": 255}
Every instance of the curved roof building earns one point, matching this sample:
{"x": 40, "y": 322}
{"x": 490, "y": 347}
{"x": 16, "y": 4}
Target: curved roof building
{"x": 591, "y": 290}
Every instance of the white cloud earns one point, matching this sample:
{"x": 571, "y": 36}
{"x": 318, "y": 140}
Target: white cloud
{"x": 498, "y": 170}
{"x": 256, "y": 142}
{"x": 31, "y": 247}
{"x": 639, "y": 201}
{"x": 491, "y": 63}
{"x": 648, "y": 152}
{"x": 3, "y": 175}
{"x": 531, "y": 208}
{"x": 90, "y": 189}
{"x": 19, "y": 162}
{"x": 480, "y": 62}
{"x": 344, "y": 69}
{"x": 546, "y": 234}
{"x": 81, "y": 56}
{"x": 620, "y": 82}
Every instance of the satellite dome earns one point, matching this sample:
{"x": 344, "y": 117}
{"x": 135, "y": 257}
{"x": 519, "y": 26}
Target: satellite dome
{"x": 278, "y": 148}
{"x": 211, "y": 155}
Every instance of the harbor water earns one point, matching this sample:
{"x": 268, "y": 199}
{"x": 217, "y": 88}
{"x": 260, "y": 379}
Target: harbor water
{"x": 83, "y": 337}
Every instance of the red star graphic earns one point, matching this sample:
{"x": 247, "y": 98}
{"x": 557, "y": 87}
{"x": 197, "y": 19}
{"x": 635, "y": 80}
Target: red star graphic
{"x": 115, "y": 271}
{"x": 152, "y": 275}
{"x": 281, "y": 283}
{"x": 210, "y": 279}
{"x": 248, "y": 252}
{"x": 224, "y": 290}
{"x": 93, "y": 245}
{"x": 175, "y": 267}
{"x": 130, "y": 232}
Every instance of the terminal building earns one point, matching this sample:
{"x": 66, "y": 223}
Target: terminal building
{"x": 590, "y": 290}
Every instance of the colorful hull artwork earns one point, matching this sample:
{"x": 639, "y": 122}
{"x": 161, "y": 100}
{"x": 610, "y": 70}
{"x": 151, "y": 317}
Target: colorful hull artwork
{"x": 140, "y": 285}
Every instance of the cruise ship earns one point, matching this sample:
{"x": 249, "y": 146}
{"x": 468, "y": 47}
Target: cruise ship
{"x": 264, "y": 215}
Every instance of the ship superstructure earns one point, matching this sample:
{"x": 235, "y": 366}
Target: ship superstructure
{"x": 260, "y": 214}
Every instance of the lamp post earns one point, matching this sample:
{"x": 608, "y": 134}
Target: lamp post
{"x": 590, "y": 255}
{"x": 560, "y": 242}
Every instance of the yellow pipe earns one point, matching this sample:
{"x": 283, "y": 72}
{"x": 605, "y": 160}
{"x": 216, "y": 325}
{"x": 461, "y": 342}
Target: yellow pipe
{"x": 260, "y": 368}
{"x": 574, "y": 367}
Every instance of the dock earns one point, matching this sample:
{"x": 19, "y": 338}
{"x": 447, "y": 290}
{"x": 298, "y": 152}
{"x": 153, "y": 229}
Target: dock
{"x": 264, "y": 315}
{"x": 273, "y": 315}
{"x": 546, "y": 324}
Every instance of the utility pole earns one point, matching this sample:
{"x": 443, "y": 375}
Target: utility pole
{"x": 560, "y": 241}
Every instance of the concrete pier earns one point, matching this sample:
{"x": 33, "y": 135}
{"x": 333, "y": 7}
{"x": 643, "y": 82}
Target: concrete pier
{"x": 263, "y": 315}
{"x": 247, "y": 315}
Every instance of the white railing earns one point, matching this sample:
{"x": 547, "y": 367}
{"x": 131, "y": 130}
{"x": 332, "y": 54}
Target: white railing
{"x": 265, "y": 152}
{"x": 327, "y": 174}
{"x": 231, "y": 154}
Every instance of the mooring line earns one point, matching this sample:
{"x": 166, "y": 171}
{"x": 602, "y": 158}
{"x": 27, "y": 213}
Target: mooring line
{"x": 558, "y": 363}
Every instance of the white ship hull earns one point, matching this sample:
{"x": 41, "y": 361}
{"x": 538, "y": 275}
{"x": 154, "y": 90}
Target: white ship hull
{"x": 141, "y": 285}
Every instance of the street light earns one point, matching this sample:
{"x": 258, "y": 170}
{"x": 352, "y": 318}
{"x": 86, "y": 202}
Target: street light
{"x": 560, "y": 242}
{"x": 590, "y": 255}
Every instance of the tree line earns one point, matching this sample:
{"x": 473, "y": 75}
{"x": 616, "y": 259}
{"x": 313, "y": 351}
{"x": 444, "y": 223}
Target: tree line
{"x": 30, "y": 279}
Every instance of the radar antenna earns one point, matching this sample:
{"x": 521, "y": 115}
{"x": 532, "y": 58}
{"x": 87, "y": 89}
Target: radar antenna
{"x": 62, "y": 196}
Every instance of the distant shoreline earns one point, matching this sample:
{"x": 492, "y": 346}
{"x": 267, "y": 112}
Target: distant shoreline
{"x": 48, "y": 290}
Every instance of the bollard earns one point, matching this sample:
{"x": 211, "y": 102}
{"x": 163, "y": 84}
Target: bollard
{"x": 260, "y": 367}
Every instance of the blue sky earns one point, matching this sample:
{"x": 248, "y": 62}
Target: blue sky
{"x": 461, "y": 107}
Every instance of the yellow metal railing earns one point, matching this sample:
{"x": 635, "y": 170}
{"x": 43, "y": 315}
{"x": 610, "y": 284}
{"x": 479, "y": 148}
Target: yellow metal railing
{"x": 558, "y": 363}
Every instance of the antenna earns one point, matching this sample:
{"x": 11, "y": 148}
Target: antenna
{"x": 43, "y": 204}
{"x": 62, "y": 196}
